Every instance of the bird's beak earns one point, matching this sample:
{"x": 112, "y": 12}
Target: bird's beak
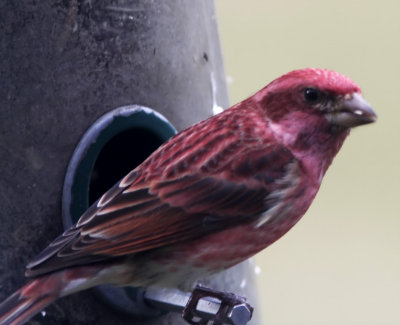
{"x": 352, "y": 112}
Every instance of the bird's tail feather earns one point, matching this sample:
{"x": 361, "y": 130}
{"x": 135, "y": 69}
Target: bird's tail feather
{"x": 42, "y": 291}
{"x": 26, "y": 302}
{"x": 18, "y": 308}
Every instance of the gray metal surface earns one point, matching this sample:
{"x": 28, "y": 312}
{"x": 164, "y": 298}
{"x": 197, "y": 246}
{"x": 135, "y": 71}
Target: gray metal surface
{"x": 207, "y": 308}
{"x": 62, "y": 65}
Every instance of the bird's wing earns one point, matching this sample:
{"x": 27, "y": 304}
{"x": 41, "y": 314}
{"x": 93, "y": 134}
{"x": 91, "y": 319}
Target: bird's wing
{"x": 145, "y": 211}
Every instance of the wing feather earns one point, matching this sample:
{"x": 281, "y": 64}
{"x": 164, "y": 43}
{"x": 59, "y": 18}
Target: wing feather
{"x": 154, "y": 207}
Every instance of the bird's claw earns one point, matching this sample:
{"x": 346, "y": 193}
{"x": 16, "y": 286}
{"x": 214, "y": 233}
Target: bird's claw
{"x": 228, "y": 301}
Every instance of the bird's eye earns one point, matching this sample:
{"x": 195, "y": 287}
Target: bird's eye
{"x": 312, "y": 95}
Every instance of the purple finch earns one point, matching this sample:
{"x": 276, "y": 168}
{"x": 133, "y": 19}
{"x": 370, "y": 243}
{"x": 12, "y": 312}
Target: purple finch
{"x": 211, "y": 197}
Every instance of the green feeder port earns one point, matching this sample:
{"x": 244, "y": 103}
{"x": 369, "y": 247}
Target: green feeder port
{"x": 115, "y": 144}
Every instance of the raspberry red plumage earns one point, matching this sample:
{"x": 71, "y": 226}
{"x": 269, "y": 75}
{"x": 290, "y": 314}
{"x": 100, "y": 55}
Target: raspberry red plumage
{"x": 216, "y": 193}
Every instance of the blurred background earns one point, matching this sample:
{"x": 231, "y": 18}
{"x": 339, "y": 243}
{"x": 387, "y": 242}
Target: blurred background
{"x": 341, "y": 263}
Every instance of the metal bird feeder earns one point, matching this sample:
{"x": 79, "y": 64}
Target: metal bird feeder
{"x": 63, "y": 65}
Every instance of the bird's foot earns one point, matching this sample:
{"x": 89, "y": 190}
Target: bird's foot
{"x": 228, "y": 302}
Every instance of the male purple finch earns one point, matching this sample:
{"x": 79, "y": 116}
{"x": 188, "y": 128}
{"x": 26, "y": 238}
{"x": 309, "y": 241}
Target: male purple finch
{"x": 211, "y": 197}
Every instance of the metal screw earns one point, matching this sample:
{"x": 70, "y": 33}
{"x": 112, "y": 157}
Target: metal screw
{"x": 207, "y": 308}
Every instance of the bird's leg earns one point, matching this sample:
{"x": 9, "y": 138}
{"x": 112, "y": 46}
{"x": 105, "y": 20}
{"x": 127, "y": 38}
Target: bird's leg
{"x": 228, "y": 301}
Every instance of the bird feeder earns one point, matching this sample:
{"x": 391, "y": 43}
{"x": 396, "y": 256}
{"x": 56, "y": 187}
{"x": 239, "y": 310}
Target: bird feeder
{"x": 81, "y": 82}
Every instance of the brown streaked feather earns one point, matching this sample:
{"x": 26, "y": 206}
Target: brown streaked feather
{"x": 107, "y": 197}
{"x": 156, "y": 206}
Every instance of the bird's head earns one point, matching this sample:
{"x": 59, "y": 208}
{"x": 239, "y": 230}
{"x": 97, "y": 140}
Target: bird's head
{"x": 311, "y": 112}
{"x": 316, "y": 96}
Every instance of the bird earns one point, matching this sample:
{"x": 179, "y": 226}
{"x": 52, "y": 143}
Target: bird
{"x": 212, "y": 196}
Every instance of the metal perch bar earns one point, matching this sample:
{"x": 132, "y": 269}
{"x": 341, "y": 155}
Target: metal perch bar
{"x": 207, "y": 308}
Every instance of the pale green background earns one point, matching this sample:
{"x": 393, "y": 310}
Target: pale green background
{"x": 341, "y": 263}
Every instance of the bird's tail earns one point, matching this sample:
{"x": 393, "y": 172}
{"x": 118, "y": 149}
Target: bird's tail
{"x": 26, "y": 302}
{"x": 42, "y": 291}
